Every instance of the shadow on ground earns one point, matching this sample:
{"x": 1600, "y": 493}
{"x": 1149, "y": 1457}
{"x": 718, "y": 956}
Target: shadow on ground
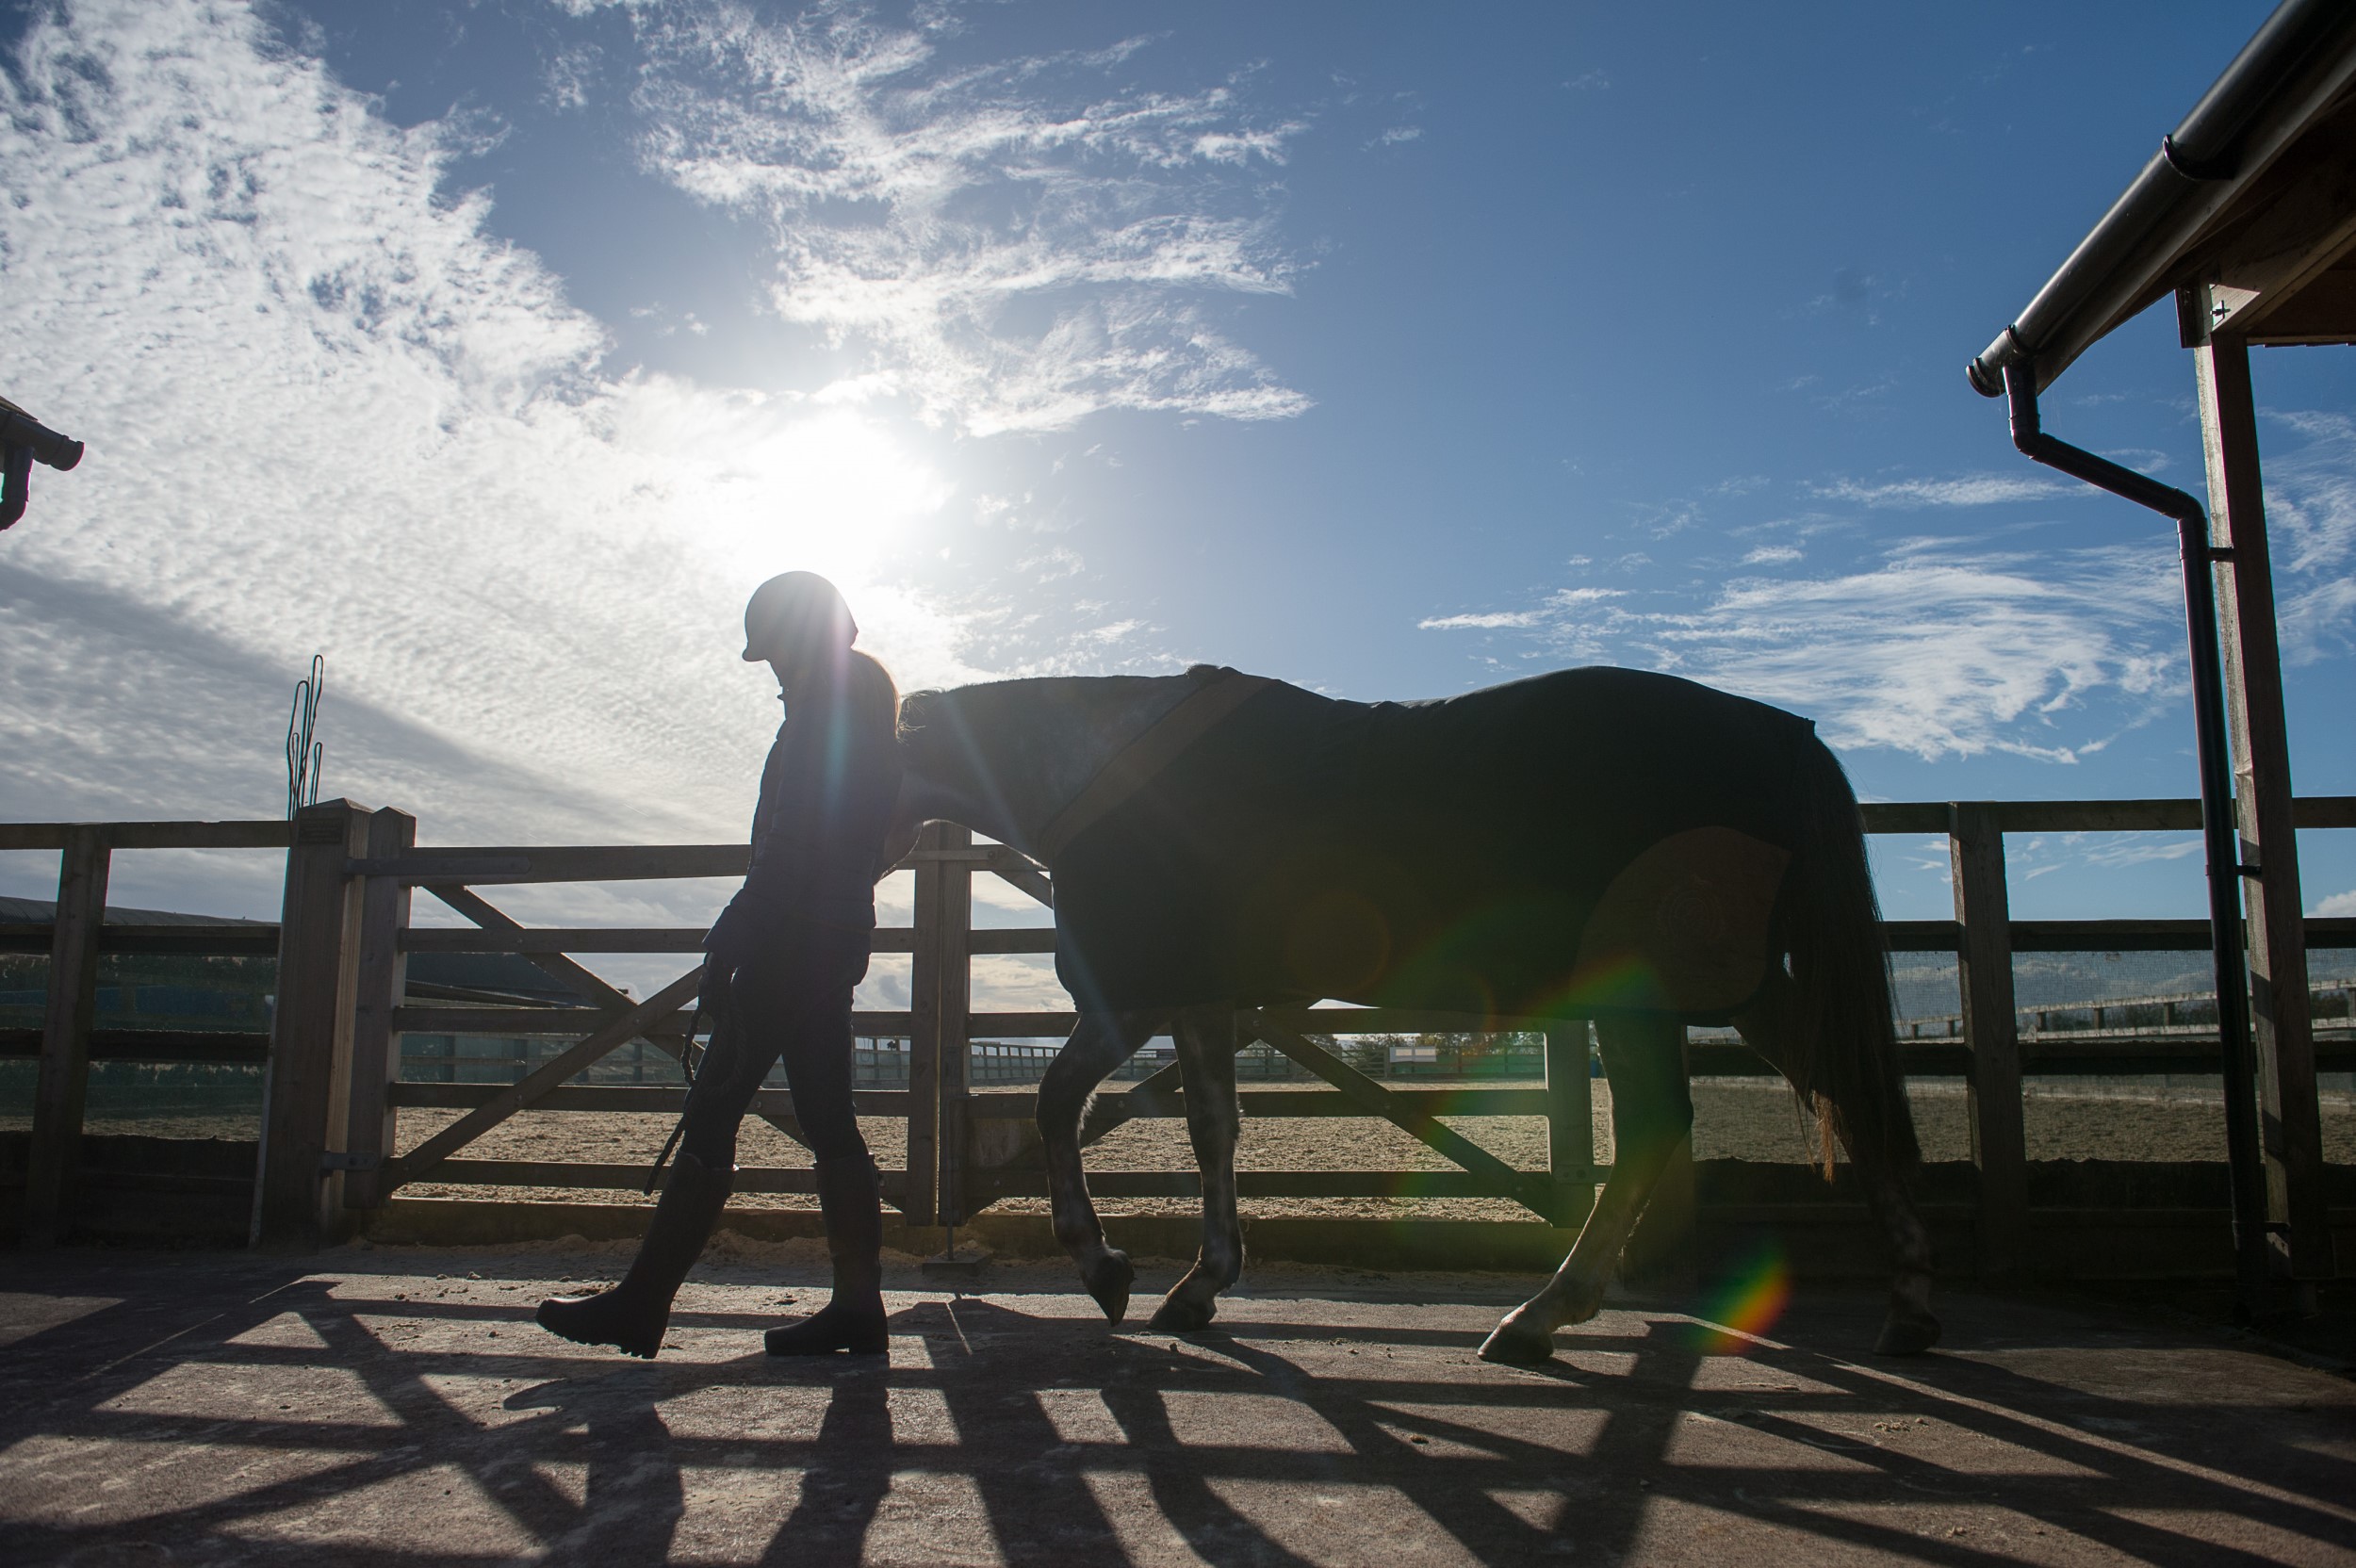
{"x": 394, "y": 1407}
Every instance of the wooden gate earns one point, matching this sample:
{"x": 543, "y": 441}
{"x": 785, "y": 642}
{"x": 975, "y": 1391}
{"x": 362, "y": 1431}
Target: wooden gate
{"x": 965, "y": 1150}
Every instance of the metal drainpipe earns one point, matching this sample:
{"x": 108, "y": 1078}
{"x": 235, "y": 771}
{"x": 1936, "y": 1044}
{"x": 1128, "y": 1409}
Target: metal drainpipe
{"x": 2220, "y": 836}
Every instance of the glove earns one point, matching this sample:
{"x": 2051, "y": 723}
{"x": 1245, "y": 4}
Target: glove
{"x": 735, "y": 940}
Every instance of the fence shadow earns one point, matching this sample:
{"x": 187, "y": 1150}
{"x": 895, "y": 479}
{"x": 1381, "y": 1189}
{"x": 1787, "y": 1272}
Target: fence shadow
{"x": 258, "y": 1412}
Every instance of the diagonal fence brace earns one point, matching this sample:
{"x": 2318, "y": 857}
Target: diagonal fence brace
{"x": 1531, "y": 1189}
{"x": 592, "y": 986}
{"x": 548, "y": 1075}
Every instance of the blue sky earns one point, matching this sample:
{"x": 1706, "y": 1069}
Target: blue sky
{"x": 496, "y": 350}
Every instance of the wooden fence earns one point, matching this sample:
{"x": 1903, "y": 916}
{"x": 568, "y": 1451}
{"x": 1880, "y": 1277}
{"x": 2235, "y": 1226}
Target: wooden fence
{"x": 329, "y": 1151}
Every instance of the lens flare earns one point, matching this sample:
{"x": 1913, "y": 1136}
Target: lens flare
{"x": 1745, "y": 1302}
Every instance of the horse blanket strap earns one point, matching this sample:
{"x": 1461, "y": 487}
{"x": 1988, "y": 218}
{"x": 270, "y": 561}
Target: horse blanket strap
{"x": 1163, "y": 743}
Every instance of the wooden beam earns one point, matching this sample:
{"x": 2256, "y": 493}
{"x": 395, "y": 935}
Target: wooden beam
{"x": 669, "y": 1036}
{"x": 309, "y": 1082}
{"x": 152, "y": 835}
{"x": 1990, "y": 1029}
{"x": 244, "y": 1047}
{"x": 639, "y": 1100}
{"x": 2291, "y": 1130}
{"x": 929, "y": 1030}
{"x": 571, "y": 1174}
{"x": 952, "y": 990}
{"x": 1036, "y": 883}
{"x": 1409, "y": 1117}
{"x": 665, "y": 939}
{"x": 585, "y": 862}
{"x": 590, "y": 986}
{"x": 2267, "y": 264}
{"x": 1570, "y": 1119}
{"x": 415, "y": 1164}
{"x": 435, "y": 1019}
{"x": 256, "y": 940}
{"x": 1017, "y": 1182}
{"x": 370, "y": 1131}
{"x": 63, "y": 1083}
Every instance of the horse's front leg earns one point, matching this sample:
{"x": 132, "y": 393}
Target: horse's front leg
{"x": 1652, "y": 1112}
{"x": 1206, "y": 1038}
{"x": 1099, "y": 1043}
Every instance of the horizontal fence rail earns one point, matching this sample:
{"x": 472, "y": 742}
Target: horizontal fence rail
{"x": 345, "y": 1002}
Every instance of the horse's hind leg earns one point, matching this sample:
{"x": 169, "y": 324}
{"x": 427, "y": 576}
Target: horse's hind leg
{"x": 1206, "y": 1057}
{"x": 1652, "y": 1112}
{"x": 1099, "y": 1043}
{"x": 1910, "y": 1327}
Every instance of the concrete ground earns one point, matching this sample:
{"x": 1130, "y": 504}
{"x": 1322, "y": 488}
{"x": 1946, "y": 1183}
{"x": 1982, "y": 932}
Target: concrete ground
{"x": 390, "y": 1406}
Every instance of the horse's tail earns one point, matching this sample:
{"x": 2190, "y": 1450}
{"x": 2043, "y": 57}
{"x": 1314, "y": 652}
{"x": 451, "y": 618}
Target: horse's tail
{"x": 1838, "y": 1041}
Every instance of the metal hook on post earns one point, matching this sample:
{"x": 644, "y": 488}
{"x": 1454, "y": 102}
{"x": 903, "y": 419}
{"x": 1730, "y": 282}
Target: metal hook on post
{"x": 303, "y": 754}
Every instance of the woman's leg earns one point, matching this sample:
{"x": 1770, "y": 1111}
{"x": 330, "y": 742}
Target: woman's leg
{"x": 809, "y": 1011}
{"x": 633, "y": 1315}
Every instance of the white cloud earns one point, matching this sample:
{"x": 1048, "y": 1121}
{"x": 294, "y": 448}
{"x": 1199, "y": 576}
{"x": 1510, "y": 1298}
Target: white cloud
{"x": 1019, "y": 244}
{"x": 1492, "y": 621}
{"x": 2339, "y": 906}
{"x": 328, "y": 410}
{"x": 1772, "y": 555}
{"x": 1935, "y": 652}
{"x": 1396, "y": 134}
{"x": 2311, "y": 513}
{"x": 1972, "y": 490}
{"x": 1939, "y": 653}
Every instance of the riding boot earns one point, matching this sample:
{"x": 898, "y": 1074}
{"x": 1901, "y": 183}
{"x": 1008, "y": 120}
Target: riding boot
{"x": 633, "y": 1315}
{"x": 850, "y": 1194}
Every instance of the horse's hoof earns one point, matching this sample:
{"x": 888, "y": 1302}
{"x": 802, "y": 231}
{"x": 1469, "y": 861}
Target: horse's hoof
{"x": 1108, "y": 1280}
{"x": 1907, "y": 1333}
{"x": 1511, "y": 1344}
{"x": 1177, "y": 1317}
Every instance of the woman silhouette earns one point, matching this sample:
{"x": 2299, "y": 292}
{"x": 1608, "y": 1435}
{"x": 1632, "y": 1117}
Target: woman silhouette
{"x": 781, "y": 965}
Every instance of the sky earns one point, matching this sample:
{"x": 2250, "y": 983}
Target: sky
{"x": 496, "y": 351}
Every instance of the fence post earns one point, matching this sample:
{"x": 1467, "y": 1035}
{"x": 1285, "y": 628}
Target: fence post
{"x": 1991, "y": 1031}
{"x": 1570, "y": 1121}
{"x": 2290, "y": 1115}
{"x": 311, "y": 1031}
{"x": 58, "y": 1093}
{"x": 368, "y": 1129}
{"x": 921, "y": 1206}
{"x": 952, "y": 891}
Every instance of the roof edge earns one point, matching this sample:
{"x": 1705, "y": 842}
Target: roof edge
{"x": 2299, "y": 60}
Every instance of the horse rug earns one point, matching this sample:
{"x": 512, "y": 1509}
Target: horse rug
{"x": 1588, "y": 841}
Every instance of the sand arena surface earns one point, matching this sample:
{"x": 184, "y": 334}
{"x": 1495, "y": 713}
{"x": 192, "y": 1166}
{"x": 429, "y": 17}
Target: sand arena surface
{"x": 1740, "y": 1120}
{"x": 1734, "y": 1119}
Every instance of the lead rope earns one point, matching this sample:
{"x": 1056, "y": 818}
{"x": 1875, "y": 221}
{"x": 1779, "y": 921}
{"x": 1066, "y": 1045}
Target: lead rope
{"x": 687, "y": 1071}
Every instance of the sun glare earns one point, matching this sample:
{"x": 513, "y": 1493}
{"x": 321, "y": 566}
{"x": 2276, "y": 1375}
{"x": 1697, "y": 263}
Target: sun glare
{"x": 836, "y": 492}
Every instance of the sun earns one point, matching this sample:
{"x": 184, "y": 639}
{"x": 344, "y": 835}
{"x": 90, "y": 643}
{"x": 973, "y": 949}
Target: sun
{"x": 836, "y": 491}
